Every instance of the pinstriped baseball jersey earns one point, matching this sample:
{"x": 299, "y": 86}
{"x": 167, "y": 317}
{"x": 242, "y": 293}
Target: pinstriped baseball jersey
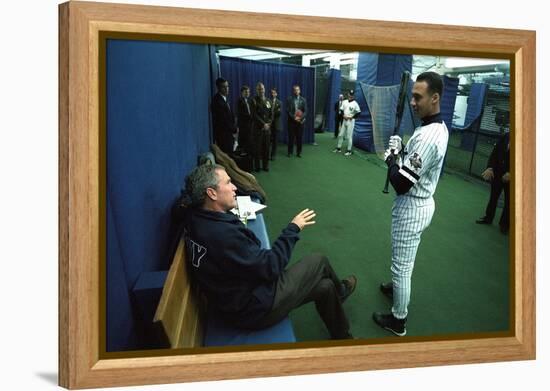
{"x": 423, "y": 160}
{"x": 414, "y": 207}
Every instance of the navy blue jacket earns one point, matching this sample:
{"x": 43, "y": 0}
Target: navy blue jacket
{"x": 302, "y": 106}
{"x": 223, "y": 123}
{"x": 499, "y": 160}
{"x": 237, "y": 276}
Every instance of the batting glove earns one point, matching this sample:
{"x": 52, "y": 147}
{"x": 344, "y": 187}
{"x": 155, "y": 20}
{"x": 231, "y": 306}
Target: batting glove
{"x": 391, "y": 157}
{"x": 395, "y": 143}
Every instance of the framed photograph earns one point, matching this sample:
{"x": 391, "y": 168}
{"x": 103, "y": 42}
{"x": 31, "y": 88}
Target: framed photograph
{"x": 126, "y": 319}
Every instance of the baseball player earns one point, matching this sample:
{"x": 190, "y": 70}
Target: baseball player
{"x": 350, "y": 110}
{"x": 414, "y": 179}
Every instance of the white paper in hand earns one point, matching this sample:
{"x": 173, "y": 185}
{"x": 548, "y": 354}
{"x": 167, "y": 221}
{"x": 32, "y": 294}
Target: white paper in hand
{"x": 246, "y": 208}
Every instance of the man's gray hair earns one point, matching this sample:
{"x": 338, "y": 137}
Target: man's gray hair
{"x": 201, "y": 178}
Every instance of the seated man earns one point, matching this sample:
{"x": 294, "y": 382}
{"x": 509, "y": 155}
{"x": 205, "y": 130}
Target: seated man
{"x": 248, "y": 285}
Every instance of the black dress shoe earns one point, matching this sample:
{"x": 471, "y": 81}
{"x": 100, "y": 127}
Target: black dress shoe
{"x": 504, "y": 230}
{"x": 266, "y": 169}
{"x": 299, "y": 155}
{"x": 483, "y": 220}
{"x": 348, "y": 284}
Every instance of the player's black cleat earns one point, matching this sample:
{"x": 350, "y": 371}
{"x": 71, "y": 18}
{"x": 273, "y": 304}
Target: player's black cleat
{"x": 387, "y": 289}
{"x": 390, "y": 323}
{"x": 348, "y": 285}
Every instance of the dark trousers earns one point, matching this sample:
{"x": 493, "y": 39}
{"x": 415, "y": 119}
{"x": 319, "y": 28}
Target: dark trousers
{"x": 245, "y": 135}
{"x": 337, "y": 123}
{"x": 310, "y": 279}
{"x": 274, "y": 135}
{"x": 496, "y": 188}
{"x": 261, "y": 140}
{"x": 295, "y": 132}
{"x": 225, "y": 141}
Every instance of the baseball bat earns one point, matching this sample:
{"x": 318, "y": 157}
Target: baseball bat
{"x": 402, "y": 98}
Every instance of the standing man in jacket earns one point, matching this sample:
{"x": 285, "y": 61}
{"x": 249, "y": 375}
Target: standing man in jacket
{"x": 498, "y": 173}
{"x": 296, "y": 109}
{"x": 338, "y": 115}
{"x": 244, "y": 120}
{"x": 223, "y": 120}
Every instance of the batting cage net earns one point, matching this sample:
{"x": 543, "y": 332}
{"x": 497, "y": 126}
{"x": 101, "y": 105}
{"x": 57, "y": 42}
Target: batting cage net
{"x": 382, "y": 102}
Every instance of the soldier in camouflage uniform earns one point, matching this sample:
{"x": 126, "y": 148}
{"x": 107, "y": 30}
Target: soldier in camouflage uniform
{"x": 261, "y": 129}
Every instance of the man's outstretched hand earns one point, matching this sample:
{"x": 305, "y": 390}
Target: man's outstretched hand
{"x": 304, "y": 218}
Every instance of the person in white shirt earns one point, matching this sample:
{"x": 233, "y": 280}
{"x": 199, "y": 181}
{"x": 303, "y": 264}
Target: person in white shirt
{"x": 350, "y": 110}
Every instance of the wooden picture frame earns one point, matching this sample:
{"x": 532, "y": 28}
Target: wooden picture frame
{"x": 80, "y": 167}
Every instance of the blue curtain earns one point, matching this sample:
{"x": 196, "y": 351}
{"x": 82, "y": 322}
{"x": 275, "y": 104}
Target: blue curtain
{"x": 158, "y": 121}
{"x": 379, "y": 70}
{"x": 334, "y": 88}
{"x": 281, "y": 76}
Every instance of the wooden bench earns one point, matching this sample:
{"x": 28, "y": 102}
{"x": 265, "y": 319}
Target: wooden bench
{"x": 179, "y": 311}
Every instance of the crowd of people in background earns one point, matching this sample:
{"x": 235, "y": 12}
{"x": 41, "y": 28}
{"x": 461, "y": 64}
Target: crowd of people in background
{"x": 252, "y": 130}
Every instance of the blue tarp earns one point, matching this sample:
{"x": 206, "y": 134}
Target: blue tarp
{"x": 476, "y": 102}
{"x": 334, "y": 87}
{"x": 448, "y": 100}
{"x": 158, "y": 94}
{"x": 241, "y": 72}
{"x": 474, "y": 112}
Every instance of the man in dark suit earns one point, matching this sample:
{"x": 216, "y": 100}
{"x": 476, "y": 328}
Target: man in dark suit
{"x": 244, "y": 120}
{"x": 275, "y": 122}
{"x": 296, "y": 108}
{"x": 338, "y": 115}
{"x": 223, "y": 120}
{"x": 498, "y": 173}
